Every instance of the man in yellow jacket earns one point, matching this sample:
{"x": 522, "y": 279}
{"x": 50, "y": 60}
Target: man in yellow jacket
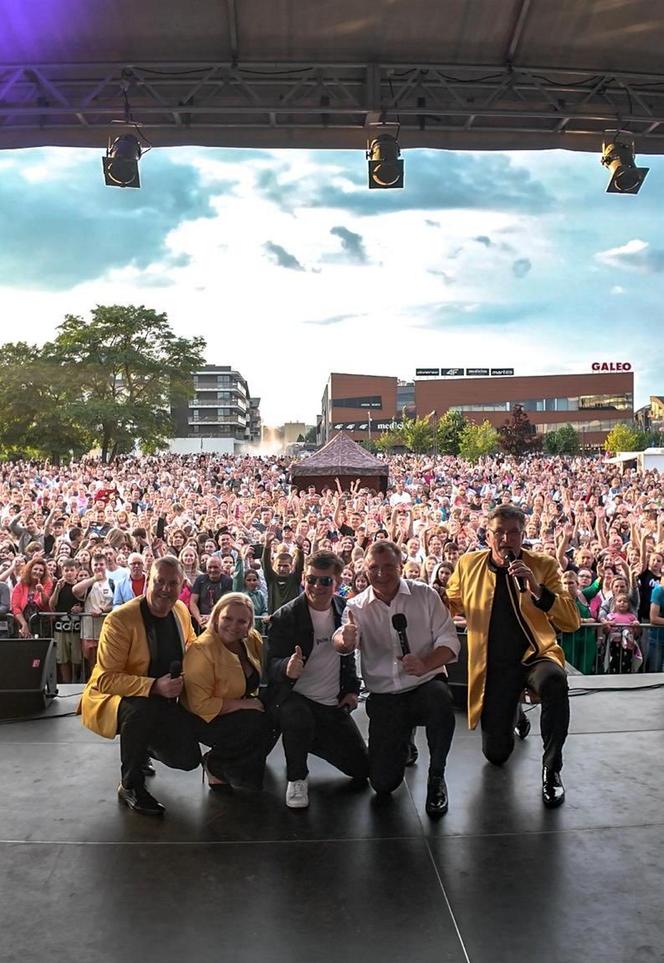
{"x": 135, "y": 685}
{"x": 514, "y": 604}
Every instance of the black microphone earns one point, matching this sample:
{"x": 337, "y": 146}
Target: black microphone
{"x": 400, "y": 624}
{"x": 520, "y": 580}
{"x": 175, "y": 671}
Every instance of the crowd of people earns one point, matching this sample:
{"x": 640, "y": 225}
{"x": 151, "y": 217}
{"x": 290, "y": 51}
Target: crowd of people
{"x": 167, "y": 575}
{"x": 80, "y": 539}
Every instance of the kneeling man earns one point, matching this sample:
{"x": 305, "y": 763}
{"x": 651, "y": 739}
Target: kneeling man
{"x": 136, "y": 683}
{"x": 311, "y": 687}
{"x": 406, "y": 637}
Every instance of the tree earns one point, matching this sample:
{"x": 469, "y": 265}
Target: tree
{"x": 624, "y": 438}
{"x": 563, "y": 441}
{"x": 300, "y": 438}
{"x": 128, "y": 369}
{"x": 393, "y": 438}
{"x": 417, "y": 434}
{"x": 310, "y": 437}
{"x": 478, "y": 440}
{"x": 518, "y": 436}
{"x": 448, "y": 432}
{"x": 35, "y": 420}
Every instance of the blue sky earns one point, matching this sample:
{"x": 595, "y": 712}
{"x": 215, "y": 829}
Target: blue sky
{"x": 291, "y": 268}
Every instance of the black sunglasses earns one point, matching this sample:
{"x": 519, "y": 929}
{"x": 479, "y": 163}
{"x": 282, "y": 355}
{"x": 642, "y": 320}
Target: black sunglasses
{"x": 324, "y": 580}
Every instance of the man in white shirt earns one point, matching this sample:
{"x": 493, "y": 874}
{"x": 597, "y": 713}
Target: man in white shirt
{"x": 403, "y": 668}
{"x": 311, "y": 687}
{"x": 400, "y": 496}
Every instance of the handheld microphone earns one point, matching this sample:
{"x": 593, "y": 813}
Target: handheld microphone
{"x": 520, "y": 580}
{"x": 175, "y": 671}
{"x": 400, "y": 624}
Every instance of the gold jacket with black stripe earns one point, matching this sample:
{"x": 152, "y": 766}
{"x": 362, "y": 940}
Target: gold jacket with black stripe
{"x": 470, "y": 592}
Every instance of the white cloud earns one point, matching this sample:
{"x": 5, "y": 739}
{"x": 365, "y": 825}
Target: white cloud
{"x": 635, "y": 255}
{"x": 270, "y": 322}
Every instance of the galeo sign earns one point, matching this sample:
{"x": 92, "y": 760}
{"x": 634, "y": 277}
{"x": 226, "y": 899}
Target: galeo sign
{"x": 611, "y": 366}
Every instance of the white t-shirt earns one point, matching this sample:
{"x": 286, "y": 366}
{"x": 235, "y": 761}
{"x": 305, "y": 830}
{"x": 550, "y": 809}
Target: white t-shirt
{"x": 320, "y": 679}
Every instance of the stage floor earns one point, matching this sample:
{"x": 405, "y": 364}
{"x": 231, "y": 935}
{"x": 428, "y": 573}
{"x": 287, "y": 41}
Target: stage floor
{"x": 243, "y": 879}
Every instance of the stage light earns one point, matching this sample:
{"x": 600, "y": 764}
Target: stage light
{"x": 121, "y": 161}
{"x": 618, "y": 156}
{"x": 385, "y": 167}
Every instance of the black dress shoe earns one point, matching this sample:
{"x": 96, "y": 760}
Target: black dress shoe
{"x": 553, "y": 791}
{"x": 140, "y": 801}
{"x": 411, "y": 757}
{"x": 436, "y": 804}
{"x": 148, "y": 769}
{"x": 522, "y": 727}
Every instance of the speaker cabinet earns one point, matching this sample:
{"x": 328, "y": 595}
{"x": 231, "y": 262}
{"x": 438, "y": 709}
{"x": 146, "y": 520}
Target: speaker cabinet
{"x": 28, "y": 676}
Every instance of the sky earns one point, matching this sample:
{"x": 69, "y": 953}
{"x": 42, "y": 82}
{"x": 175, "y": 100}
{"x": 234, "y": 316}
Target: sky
{"x": 291, "y": 268}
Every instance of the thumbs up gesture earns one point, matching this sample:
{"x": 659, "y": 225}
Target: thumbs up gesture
{"x": 295, "y": 666}
{"x": 350, "y": 635}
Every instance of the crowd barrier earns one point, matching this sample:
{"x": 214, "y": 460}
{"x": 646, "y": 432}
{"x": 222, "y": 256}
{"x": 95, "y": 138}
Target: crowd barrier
{"x": 595, "y": 649}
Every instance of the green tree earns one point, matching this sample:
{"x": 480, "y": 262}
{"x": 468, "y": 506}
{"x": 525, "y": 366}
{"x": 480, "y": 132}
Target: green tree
{"x": 518, "y": 436}
{"x": 624, "y": 438}
{"x": 127, "y": 368}
{"x": 310, "y": 436}
{"x": 448, "y": 432}
{"x": 478, "y": 440}
{"x": 552, "y": 442}
{"x": 35, "y": 419}
{"x": 417, "y": 434}
{"x": 389, "y": 440}
{"x": 563, "y": 441}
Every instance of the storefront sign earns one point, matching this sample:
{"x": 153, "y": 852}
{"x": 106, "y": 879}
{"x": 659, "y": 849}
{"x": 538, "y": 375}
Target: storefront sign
{"x": 611, "y": 366}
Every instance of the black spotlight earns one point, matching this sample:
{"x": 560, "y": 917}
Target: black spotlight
{"x": 618, "y": 156}
{"x": 121, "y": 162}
{"x": 385, "y": 167}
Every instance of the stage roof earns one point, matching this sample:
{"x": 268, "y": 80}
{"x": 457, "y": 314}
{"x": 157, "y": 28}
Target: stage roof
{"x": 463, "y": 74}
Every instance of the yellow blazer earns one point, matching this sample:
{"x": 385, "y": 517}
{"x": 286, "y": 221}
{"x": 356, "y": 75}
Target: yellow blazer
{"x": 212, "y": 673}
{"x": 123, "y": 659}
{"x": 470, "y": 592}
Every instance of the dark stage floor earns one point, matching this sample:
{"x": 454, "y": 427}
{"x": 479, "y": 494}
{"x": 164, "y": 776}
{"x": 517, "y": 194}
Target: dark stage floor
{"x": 499, "y": 879}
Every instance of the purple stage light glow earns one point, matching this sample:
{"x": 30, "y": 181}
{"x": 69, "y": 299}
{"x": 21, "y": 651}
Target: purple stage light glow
{"x": 48, "y": 31}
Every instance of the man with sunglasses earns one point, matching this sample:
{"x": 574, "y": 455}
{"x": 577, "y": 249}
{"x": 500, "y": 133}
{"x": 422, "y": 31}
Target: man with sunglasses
{"x": 514, "y": 602}
{"x": 312, "y": 689}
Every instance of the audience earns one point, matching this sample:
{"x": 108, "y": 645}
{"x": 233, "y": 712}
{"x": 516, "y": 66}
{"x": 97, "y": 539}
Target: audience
{"x": 237, "y": 523}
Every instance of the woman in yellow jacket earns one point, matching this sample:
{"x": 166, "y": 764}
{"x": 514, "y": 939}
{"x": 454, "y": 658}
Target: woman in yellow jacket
{"x": 222, "y": 671}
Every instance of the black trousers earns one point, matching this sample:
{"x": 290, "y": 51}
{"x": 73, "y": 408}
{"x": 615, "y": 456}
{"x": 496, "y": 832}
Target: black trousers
{"x": 503, "y": 687}
{"x": 154, "y": 727}
{"x": 326, "y": 731}
{"x": 238, "y": 746}
{"x": 392, "y": 716}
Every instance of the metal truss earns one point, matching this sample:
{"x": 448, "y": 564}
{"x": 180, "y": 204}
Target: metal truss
{"x": 328, "y": 105}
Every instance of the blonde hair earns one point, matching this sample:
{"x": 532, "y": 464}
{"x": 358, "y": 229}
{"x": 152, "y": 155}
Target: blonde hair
{"x": 230, "y": 598}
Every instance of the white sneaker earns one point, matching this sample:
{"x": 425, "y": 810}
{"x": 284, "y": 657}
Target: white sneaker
{"x": 297, "y": 794}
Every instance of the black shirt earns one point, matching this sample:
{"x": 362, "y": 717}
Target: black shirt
{"x": 646, "y": 581}
{"x": 169, "y": 644}
{"x": 210, "y": 592}
{"x": 507, "y": 640}
{"x": 66, "y": 599}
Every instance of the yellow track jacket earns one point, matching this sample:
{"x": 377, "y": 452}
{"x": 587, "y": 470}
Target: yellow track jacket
{"x": 470, "y": 592}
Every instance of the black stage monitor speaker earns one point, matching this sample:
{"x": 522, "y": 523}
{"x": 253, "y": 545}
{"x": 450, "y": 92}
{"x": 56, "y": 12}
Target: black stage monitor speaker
{"x": 27, "y": 676}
